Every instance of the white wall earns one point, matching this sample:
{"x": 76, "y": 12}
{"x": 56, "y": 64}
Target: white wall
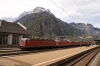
{"x": 10, "y": 39}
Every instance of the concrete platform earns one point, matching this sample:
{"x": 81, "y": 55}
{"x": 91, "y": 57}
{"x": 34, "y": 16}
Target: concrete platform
{"x": 45, "y": 58}
{"x": 9, "y": 46}
{"x": 8, "y": 49}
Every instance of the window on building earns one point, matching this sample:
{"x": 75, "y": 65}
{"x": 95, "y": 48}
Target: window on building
{"x": 15, "y": 39}
{"x": 3, "y": 38}
{"x": 25, "y": 36}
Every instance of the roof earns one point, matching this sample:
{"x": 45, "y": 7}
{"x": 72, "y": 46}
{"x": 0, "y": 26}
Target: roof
{"x": 8, "y": 27}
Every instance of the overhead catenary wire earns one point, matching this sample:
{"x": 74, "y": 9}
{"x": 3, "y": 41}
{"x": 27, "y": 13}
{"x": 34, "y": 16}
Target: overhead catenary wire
{"x": 15, "y": 11}
{"x": 25, "y": 3}
{"x": 56, "y": 5}
{"x": 81, "y": 11}
{"x": 8, "y": 9}
{"x": 69, "y": 10}
{"x": 64, "y": 10}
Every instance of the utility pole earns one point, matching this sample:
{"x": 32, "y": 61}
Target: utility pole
{"x": 91, "y": 36}
{"x": 91, "y": 33}
{"x": 62, "y": 33}
{"x": 51, "y": 31}
{"x": 74, "y": 35}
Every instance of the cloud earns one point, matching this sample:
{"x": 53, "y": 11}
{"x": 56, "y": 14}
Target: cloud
{"x": 91, "y": 9}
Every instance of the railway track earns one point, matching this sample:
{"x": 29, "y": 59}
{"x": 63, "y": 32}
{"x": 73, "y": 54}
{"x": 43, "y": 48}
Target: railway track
{"x": 10, "y": 52}
{"x": 82, "y": 59}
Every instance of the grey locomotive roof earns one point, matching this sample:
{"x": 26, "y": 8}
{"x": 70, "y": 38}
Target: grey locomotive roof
{"x": 8, "y": 27}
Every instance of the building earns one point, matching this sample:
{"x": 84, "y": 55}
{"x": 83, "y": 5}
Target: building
{"x": 12, "y": 33}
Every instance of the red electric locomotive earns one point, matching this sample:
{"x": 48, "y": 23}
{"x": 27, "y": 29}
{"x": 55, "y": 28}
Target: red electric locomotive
{"x": 37, "y": 43}
{"x": 48, "y": 43}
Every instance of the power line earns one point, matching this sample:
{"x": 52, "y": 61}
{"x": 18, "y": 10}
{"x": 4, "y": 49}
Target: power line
{"x": 7, "y": 9}
{"x": 10, "y": 11}
{"x": 81, "y": 10}
{"x": 68, "y": 9}
{"x": 63, "y": 10}
{"x": 26, "y": 4}
{"x": 14, "y": 11}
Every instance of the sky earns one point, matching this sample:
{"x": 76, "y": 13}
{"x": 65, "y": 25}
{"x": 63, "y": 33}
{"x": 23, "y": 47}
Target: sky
{"x": 78, "y": 11}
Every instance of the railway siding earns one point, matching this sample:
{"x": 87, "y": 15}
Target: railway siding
{"x": 81, "y": 59}
{"x": 63, "y": 57}
{"x": 96, "y": 60}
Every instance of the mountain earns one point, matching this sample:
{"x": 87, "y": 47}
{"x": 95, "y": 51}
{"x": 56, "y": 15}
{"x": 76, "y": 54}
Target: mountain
{"x": 41, "y": 9}
{"x": 9, "y": 19}
{"x": 22, "y": 15}
{"x": 87, "y": 28}
{"x": 36, "y": 10}
{"x": 42, "y": 23}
